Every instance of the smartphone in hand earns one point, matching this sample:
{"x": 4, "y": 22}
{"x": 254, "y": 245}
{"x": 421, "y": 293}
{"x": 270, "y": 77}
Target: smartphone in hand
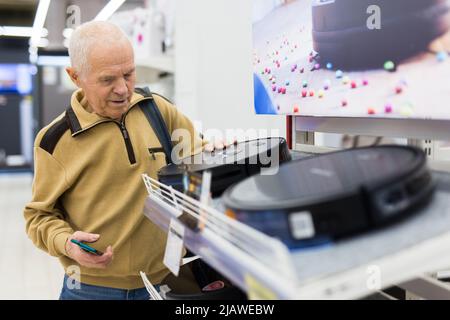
{"x": 86, "y": 248}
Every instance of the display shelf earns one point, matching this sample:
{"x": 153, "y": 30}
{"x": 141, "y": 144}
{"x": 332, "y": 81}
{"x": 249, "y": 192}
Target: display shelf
{"x": 227, "y": 245}
{"x": 264, "y": 268}
{"x": 16, "y": 169}
{"x": 165, "y": 63}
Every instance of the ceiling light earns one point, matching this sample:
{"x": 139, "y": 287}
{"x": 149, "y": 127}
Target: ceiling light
{"x": 15, "y": 31}
{"x": 39, "y": 20}
{"x": 108, "y": 10}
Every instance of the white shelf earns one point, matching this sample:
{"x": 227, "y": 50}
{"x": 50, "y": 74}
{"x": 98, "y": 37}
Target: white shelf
{"x": 264, "y": 268}
{"x": 164, "y": 63}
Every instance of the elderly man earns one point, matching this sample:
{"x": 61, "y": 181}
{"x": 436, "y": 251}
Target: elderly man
{"x": 88, "y": 166}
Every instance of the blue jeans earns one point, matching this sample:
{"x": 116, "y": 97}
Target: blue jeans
{"x": 90, "y": 292}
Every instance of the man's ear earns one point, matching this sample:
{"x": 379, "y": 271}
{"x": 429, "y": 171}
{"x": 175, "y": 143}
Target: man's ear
{"x": 74, "y": 76}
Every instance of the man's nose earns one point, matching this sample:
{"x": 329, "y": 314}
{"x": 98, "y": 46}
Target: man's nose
{"x": 121, "y": 87}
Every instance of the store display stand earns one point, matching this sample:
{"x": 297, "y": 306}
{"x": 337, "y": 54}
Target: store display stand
{"x": 264, "y": 268}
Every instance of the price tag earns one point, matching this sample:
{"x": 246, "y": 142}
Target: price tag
{"x": 174, "y": 246}
{"x": 205, "y": 196}
{"x": 257, "y": 291}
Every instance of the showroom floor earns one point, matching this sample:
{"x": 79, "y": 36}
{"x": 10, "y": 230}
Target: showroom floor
{"x": 25, "y": 271}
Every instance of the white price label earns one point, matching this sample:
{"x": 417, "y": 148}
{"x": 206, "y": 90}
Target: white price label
{"x": 204, "y": 196}
{"x": 301, "y": 225}
{"x": 174, "y": 246}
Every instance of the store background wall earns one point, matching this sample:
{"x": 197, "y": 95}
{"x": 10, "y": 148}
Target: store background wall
{"x": 214, "y": 84}
{"x": 214, "y": 80}
{"x": 16, "y": 110}
{"x": 55, "y": 85}
{"x": 213, "y": 50}
{"x": 11, "y": 51}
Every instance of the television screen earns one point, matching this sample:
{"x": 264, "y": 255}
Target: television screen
{"x": 15, "y": 78}
{"x": 352, "y": 58}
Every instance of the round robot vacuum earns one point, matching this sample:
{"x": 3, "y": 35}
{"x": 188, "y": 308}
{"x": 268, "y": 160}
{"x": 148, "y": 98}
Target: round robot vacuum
{"x": 327, "y": 197}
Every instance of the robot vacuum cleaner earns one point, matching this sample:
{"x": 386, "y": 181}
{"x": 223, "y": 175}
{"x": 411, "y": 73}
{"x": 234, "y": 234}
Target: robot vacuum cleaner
{"x": 341, "y": 32}
{"x": 320, "y": 199}
{"x": 230, "y": 165}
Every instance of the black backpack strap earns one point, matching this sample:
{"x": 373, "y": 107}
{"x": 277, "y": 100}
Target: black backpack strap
{"x": 154, "y": 117}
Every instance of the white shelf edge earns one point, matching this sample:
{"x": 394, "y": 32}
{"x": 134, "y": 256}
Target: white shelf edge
{"x": 163, "y": 62}
{"x": 238, "y": 265}
{"x": 422, "y": 257}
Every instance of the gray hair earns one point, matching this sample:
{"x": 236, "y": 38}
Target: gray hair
{"x": 91, "y": 34}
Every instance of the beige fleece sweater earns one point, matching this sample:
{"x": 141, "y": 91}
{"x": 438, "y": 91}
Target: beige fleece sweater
{"x": 88, "y": 178}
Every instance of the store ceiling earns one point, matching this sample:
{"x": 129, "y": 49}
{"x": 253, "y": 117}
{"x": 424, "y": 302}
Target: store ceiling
{"x": 17, "y": 12}
{"x": 18, "y": 3}
{"x": 22, "y": 13}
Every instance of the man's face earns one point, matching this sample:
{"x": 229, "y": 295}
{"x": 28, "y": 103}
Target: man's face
{"x": 109, "y": 82}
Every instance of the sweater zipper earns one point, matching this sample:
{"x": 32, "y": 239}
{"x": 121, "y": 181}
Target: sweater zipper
{"x": 127, "y": 140}
{"x": 103, "y": 121}
{"x": 123, "y": 130}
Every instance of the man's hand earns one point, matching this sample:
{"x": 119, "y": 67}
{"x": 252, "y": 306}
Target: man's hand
{"x": 83, "y": 258}
{"x": 218, "y": 145}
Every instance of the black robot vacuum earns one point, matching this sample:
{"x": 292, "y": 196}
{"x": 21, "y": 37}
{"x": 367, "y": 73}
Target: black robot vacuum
{"x": 342, "y": 35}
{"x": 321, "y": 199}
{"x": 230, "y": 165}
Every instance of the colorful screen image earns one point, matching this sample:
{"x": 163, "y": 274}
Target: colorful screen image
{"x": 352, "y": 58}
{"x": 16, "y": 78}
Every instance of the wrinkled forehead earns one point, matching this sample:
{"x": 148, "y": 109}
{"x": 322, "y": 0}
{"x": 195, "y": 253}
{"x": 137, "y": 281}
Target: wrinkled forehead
{"x": 110, "y": 57}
